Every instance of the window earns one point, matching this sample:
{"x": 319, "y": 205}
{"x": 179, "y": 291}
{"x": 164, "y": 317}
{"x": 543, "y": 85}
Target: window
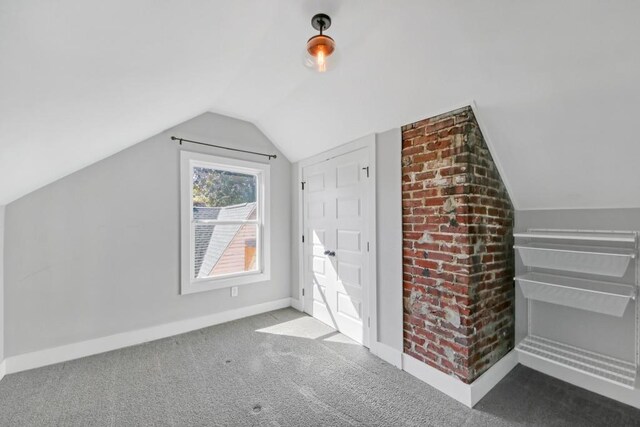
{"x": 224, "y": 214}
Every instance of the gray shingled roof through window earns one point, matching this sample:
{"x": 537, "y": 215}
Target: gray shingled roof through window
{"x": 203, "y": 232}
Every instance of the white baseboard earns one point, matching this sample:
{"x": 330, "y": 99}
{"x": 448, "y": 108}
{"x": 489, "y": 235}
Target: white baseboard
{"x": 387, "y": 353}
{"x": 468, "y": 394}
{"x": 485, "y": 382}
{"x": 447, "y": 384}
{"x": 605, "y": 388}
{"x": 3, "y": 369}
{"x": 296, "y": 303}
{"x": 68, "y": 352}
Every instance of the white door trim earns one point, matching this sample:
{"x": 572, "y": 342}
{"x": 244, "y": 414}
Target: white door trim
{"x": 368, "y": 142}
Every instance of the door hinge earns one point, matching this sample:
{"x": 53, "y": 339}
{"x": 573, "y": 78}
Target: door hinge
{"x": 303, "y": 238}
{"x": 366, "y": 169}
{"x": 367, "y": 246}
{"x": 369, "y": 321}
{"x": 302, "y": 291}
{"x": 302, "y": 185}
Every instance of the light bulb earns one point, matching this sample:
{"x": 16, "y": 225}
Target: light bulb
{"x": 322, "y": 64}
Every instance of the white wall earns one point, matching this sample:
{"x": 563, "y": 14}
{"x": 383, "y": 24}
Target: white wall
{"x": 389, "y": 236}
{"x": 97, "y": 252}
{"x": 1, "y": 283}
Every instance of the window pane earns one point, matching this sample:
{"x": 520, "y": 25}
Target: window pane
{"x": 222, "y": 249}
{"x": 218, "y": 189}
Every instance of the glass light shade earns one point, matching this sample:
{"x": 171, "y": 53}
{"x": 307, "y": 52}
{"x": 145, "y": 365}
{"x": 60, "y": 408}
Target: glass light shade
{"x": 319, "y": 50}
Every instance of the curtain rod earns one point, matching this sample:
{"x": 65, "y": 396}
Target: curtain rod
{"x": 181, "y": 140}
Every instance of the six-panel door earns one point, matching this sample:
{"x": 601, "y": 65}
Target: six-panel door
{"x": 335, "y": 247}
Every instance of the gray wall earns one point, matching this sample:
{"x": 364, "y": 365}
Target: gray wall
{"x": 606, "y": 334}
{"x": 97, "y": 252}
{"x": 1, "y": 283}
{"x": 389, "y": 236}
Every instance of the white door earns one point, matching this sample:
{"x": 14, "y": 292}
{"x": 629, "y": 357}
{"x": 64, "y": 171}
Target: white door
{"x": 336, "y": 244}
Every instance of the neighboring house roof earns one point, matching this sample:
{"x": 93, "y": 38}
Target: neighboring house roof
{"x": 203, "y": 232}
{"x": 212, "y": 240}
{"x": 240, "y": 254}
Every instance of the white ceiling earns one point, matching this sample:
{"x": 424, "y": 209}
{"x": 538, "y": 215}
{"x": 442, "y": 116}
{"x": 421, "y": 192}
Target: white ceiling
{"x": 555, "y": 82}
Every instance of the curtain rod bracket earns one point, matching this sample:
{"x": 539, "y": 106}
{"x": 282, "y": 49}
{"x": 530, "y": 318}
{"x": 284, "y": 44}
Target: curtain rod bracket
{"x": 181, "y": 140}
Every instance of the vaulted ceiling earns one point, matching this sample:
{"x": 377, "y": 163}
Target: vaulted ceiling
{"x": 555, "y": 82}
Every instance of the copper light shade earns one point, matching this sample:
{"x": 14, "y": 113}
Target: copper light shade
{"x": 320, "y": 47}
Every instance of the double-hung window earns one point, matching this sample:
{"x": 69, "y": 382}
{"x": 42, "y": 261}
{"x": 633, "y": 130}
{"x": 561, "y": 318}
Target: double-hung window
{"x": 225, "y": 228}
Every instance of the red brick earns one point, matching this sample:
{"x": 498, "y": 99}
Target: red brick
{"x": 461, "y": 276}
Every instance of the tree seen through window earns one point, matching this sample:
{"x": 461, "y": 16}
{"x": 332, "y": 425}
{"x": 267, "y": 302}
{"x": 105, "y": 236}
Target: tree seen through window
{"x": 218, "y": 188}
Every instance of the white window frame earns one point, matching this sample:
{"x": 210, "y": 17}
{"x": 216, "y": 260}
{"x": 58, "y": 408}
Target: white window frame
{"x": 190, "y": 284}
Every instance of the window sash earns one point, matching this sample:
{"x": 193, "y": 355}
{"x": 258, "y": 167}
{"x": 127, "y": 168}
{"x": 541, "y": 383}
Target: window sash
{"x": 224, "y": 276}
{"x": 226, "y": 168}
{"x": 223, "y": 222}
{"x": 259, "y": 259}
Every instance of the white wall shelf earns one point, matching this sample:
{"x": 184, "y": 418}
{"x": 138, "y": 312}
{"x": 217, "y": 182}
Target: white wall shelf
{"x": 601, "y": 297}
{"x": 595, "y": 255}
{"x": 599, "y": 260}
{"x": 589, "y": 235}
{"x": 598, "y": 365}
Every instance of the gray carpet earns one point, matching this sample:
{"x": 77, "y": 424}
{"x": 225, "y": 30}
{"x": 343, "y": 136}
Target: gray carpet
{"x": 278, "y": 369}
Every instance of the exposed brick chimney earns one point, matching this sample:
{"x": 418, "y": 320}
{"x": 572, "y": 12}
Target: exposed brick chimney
{"x": 458, "y": 256}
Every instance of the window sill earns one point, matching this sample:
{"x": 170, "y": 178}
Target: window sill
{"x": 222, "y": 283}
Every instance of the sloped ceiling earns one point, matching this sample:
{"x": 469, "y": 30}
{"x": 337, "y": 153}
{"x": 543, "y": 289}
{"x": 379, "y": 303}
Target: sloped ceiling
{"x": 555, "y": 82}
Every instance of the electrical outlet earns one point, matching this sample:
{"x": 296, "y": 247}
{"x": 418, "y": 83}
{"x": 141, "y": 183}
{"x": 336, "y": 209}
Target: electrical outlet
{"x": 234, "y": 291}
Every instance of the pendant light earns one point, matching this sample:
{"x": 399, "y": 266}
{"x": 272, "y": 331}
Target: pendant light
{"x": 320, "y": 47}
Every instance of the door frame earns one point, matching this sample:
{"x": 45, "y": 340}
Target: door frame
{"x": 370, "y": 333}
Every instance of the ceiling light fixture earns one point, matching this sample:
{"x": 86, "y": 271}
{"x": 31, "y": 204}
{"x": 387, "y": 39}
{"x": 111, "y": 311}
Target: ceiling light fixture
{"x": 320, "y": 47}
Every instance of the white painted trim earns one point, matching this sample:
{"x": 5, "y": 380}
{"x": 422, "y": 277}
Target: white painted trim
{"x": 586, "y": 381}
{"x": 370, "y": 309}
{"x": 485, "y": 382}
{"x": 295, "y": 303}
{"x": 68, "y": 352}
{"x": 191, "y": 159}
{"x": 3, "y": 369}
{"x": 363, "y": 142}
{"x": 301, "y": 260}
{"x": 387, "y": 353}
{"x": 451, "y": 386}
{"x": 468, "y": 394}
{"x": 372, "y": 239}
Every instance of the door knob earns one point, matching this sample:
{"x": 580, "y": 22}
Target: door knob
{"x": 330, "y": 253}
